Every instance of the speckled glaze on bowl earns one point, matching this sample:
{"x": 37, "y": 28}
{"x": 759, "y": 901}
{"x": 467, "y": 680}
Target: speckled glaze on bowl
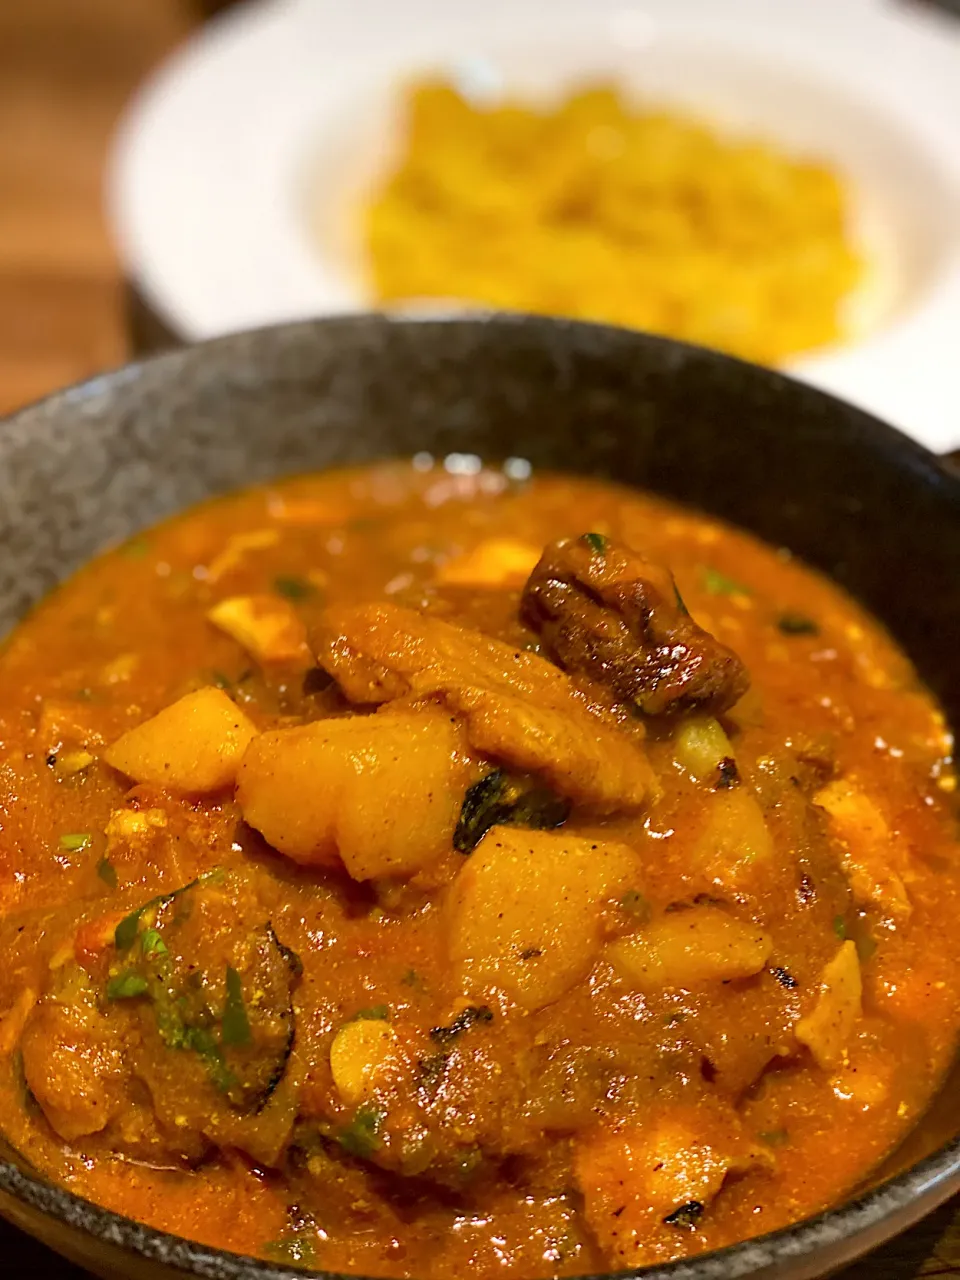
{"x": 848, "y": 494}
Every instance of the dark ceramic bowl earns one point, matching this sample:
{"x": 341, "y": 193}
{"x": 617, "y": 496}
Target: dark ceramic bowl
{"x": 851, "y": 496}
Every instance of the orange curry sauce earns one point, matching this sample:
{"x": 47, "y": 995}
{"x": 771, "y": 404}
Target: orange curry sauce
{"x": 601, "y": 1034}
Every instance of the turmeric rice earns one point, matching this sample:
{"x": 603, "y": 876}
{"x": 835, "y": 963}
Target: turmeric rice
{"x": 597, "y": 210}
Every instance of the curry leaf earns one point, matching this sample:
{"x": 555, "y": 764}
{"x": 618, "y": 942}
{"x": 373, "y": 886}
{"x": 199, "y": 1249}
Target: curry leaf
{"x": 236, "y": 1024}
{"x": 293, "y": 588}
{"x": 596, "y": 542}
{"x": 361, "y": 1137}
{"x": 718, "y": 584}
{"x": 107, "y": 872}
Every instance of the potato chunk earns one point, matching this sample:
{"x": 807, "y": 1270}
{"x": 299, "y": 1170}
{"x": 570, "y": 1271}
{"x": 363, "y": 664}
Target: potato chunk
{"x": 873, "y": 857}
{"x": 829, "y": 1029}
{"x": 380, "y": 794}
{"x": 674, "y": 1163}
{"x": 735, "y": 848}
{"x": 193, "y": 746}
{"x": 267, "y": 627}
{"x": 701, "y": 746}
{"x": 525, "y": 911}
{"x": 495, "y": 562}
{"x": 685, "y": 948}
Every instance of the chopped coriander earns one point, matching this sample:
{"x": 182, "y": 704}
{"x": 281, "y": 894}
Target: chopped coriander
{"x": 718, "y": 584}
{"x": 292, "y": 587}
{"x": 840, "y": 927}
{"x": 74, "y": 841}
{"x": 152, "y": 944}
{"x": 412, "y": 979}
{"x": 596, "y": 542}
{"x": 107, "y": 872}
{"x": 361, "y": 1137}
{"x": 126, "y": 986}
{"x": 797, "y": 624}
{"x": 866, "y": 946}
{"x": 236, "y": 1024}
{"x": 378, "y": 1013}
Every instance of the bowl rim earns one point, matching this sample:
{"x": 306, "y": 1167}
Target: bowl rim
{"x": 898, "y": 1201}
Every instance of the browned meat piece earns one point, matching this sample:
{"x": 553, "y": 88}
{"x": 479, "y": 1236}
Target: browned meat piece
{"x": 605, "y": 612}
{"x": 516, "y": 706}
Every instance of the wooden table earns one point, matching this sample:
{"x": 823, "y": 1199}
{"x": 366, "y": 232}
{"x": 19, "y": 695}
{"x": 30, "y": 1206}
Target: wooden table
{"x": 66, "y": 68}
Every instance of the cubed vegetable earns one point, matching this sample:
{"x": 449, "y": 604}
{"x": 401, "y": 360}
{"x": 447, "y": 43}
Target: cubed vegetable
{"x": 830, "y": 1028}
{"x": 192, "y": 747}
{"x": 268, "y": 627}
{"x": 360, "y": 1054}
{"x": 380, "y": 794}
{"x": 495, "y": 562}
{"x": 686, "y": 948}
{"x": 701, "y": 745}
{"x": 525, "y": 911}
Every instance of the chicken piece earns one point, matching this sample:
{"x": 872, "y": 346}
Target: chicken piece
{"x": 192, "y": 747}
{"x": 517, "y": 707}
{"x": 873, "y": 857}
{"x": 525, "y": 912}
{"x": 379, "y": 794}
{"x": 496, "y": 562}
{"x": 830, "y": 1028}
{"x": 73, "y": 1065}
{"x": 642, "y": 1184}
{"x": 269, "y": 628}
{"x": 687, "y": 948}
{"x": 604, "y": 611}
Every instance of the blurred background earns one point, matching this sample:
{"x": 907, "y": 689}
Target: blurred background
{"x": 777, "y": 179}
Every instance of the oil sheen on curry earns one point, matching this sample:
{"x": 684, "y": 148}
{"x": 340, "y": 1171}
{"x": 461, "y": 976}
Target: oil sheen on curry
{"x": 431, "y": 866}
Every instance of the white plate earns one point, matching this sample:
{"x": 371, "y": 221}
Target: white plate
{"x": 236, "y": 169}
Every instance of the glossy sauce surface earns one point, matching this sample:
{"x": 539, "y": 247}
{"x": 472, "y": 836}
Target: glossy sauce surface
{"x": 738, "y": 992}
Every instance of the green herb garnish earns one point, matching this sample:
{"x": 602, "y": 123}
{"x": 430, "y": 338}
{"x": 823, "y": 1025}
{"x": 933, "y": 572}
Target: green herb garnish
{"x": 596, "y": 542}
{"x": 840, "y": 927}
{"x": 797, "y": 624}
{"x": 152, "y": 944}
{"x": 718, "y": 584}
{"x": 236, "y": 1024}
{"x": 74, "y": 841}
{"x": 378, "y": 1013}
{"x": 127, "y": 986}
{"x": 293, "y": 588}
{"x": 361, "y": 1137}
{"x": 107, "y": 872}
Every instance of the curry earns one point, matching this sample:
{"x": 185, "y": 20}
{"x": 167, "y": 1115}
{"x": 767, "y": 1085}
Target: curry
{"x": 435, "y": 866}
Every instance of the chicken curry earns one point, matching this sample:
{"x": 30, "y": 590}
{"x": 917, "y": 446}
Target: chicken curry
{"x": 434, "y": 866}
